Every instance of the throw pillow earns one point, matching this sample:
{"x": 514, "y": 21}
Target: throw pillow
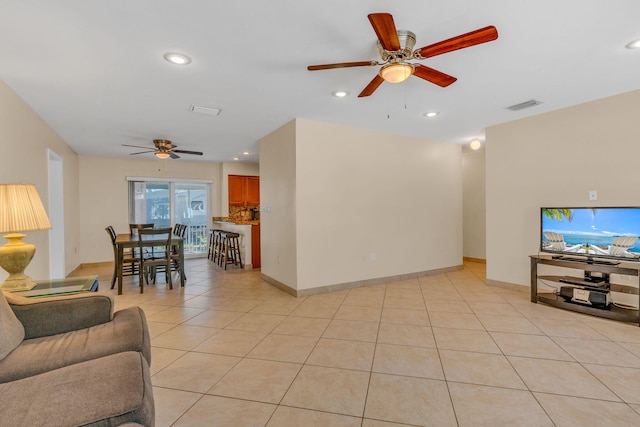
{"x": 11, "y": 330}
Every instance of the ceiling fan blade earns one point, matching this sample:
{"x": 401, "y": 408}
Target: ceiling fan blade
{"x": 197, "y": 153}
{"x": 385, "y": 29}
{"x": 136, "y": 146}
{"x": 142, "y": 152}
{"x": 372, "y": 86}
{"x": 341, "y": 65}
{"x": 173, "y": 155}
{"x": 472, "y": 38}
{"x": 434, "y": 76}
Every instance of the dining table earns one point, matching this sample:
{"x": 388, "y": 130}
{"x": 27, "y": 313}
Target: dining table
{"x": 126, "y": 240}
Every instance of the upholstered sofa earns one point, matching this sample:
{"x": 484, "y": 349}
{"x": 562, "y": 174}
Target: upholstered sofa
{"x": 73, "y": 361}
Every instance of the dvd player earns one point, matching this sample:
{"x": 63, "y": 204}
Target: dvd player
{"x": 591, "y": 281}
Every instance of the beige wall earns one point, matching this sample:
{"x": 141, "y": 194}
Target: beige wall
{"x": 24, "y": 141}
{"x": 278, "y": 205}
{"x": 104, "y": 195}
{"x": 474, "y": 203}
{"x": 555, "y": 159}
{"x": 367, "y": 204}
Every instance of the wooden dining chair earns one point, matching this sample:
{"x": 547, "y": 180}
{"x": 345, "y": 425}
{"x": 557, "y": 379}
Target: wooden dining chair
{"x": 130, "y": 263}
{"x": 159, "y": 258}
{"x": 133, "y": 232}
{"x": 133, "y": 228}
{"x": 178, "y": 231}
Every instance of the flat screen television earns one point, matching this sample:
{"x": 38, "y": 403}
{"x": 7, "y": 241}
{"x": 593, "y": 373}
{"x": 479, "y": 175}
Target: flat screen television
{"x": 592, "y": 233}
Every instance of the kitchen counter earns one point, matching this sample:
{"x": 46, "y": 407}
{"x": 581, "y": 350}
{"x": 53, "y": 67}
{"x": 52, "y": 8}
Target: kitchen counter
{"x": 240, "y": 222}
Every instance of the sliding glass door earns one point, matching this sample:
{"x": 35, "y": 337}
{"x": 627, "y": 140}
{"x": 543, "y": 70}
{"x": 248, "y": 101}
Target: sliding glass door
{"x": 190, "y": 208}
{"x": 168, "y": 203}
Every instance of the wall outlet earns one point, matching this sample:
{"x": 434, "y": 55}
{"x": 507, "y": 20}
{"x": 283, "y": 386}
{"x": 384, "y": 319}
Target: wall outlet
{"x": 373, "y": 256}
{"x": 593, "y": 195}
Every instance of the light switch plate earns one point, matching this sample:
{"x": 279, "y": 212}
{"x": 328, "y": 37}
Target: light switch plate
{"x": 593, "y": 195}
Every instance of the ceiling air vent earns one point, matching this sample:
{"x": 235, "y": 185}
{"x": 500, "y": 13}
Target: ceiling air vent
{"x": 523, "y": 105}
{"x": 205, "y": 110}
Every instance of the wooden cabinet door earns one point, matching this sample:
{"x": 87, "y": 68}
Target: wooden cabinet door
{"x": 255, "y": 246}
{"x": 253, "y": 190}
{"x": 237, "y": 190}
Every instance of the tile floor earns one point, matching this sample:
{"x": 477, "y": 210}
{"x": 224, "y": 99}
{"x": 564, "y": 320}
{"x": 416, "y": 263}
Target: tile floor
{"x": 445, "y": 350}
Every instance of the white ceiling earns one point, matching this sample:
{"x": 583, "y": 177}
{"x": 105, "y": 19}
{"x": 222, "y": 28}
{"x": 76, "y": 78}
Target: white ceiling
{"x": 94, "y": 70}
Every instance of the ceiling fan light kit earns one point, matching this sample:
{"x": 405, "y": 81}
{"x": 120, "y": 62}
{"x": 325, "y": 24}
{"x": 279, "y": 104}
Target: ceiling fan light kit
{"x": 396, "y": 72}
{"x": 396, "y": 48}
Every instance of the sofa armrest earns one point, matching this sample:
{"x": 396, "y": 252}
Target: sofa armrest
{"x": 58, "y": 314}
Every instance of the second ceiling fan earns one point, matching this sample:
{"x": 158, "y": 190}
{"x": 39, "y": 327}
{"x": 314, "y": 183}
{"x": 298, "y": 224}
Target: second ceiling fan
{"x": 163, "y": 149}
{"x": 396, "y": 48}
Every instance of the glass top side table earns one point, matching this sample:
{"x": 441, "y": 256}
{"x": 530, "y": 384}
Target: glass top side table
{"x": 68, "y": 285}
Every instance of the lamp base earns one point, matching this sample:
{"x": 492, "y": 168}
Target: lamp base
{"x": 15, "y": 256}
{"x": 15, "y": 285}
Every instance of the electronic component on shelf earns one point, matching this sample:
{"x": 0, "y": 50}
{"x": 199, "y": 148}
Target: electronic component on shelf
{"x": 593, "y": 297}
{"x": 587, "y": 281}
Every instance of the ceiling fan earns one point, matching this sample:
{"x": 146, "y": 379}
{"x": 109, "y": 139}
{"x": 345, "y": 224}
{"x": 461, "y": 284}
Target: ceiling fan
{"x": 395, "y": 47}
{"x": 163, "y": 149}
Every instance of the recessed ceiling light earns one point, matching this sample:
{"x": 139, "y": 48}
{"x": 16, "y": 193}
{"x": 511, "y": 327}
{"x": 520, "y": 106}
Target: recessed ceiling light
{"x": 340, "y": 93}
{"x": 475, "y": 144}
{"x": 246, "y": 153}
{"x": 431, "y": 114}
{"x": 236, "y": 158}
{"x": 177, "y": 58}
{"x": 634, "y": 44}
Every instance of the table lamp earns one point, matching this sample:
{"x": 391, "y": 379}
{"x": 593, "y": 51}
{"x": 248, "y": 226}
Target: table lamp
{"x": 20, "y": 210}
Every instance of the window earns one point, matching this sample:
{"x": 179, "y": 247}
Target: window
{"x": 166, "y": 203}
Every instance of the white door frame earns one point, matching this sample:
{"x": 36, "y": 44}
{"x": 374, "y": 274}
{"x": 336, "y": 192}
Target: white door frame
{"x": 56, "y": 215}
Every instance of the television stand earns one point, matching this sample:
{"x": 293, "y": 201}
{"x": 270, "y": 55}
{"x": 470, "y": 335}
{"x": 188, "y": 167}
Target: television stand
{"x": 590, "y": 282}
{"x": 587, "y": 260}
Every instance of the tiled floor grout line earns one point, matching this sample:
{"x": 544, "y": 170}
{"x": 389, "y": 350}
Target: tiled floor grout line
{"x": 444, "y": 373}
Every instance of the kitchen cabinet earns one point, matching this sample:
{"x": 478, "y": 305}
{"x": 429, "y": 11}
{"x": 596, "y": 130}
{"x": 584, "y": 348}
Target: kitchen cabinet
{"x": 255, "y": 246}
{"x": 244, "y": 190}
{"x": 236, "y": 190}
{"x": 253, "y": 190}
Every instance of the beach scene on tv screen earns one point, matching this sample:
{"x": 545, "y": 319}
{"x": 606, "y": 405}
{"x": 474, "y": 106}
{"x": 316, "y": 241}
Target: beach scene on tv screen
{"x": 607, "y": 232}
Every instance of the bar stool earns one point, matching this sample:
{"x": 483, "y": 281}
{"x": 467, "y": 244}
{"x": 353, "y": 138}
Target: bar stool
{"x": 210, "y": 252}
{"x": 220, "y": 247}
{"x": 216, "y": 245}
{"x": 230, "y": 253}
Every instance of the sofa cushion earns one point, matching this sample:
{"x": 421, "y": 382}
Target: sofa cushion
{"x": 11, "y": 330}
{"x": 127, "y": 331}
{"x": 107, "y": 391}
{"x": 61, "y": 313}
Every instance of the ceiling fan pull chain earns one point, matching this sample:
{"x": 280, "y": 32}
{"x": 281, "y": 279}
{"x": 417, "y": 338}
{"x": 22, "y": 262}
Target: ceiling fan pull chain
{"x": 404, "y": 93}
{"x": 388, "y": 108}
